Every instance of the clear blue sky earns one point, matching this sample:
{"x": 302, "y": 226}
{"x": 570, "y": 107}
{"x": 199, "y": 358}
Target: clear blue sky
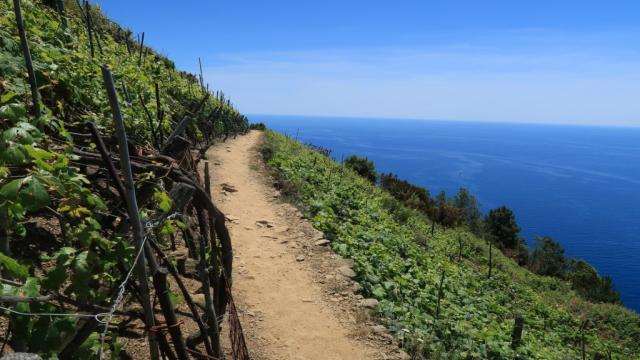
{"x": 558, "y": 61}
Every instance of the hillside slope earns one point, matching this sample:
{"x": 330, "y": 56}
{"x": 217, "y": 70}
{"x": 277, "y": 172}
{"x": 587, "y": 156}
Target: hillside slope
{"x": 434, "y": 290}
{"x": 65, "y": 242}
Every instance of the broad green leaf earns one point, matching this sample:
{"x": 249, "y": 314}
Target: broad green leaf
{"x": 10, "y": 190}
{"x": 13, "y": 267}
{"x": 32, "y": 194}
{"x": 13, "y": 112}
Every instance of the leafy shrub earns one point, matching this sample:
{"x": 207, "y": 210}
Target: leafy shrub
{"x": 585, "y": 280}
{"x": 363, "y": 166}
{"x": 258, "y": 126}
{"x": 410, "y": 195}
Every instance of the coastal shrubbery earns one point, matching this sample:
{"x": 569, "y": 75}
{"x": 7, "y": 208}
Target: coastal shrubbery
{"x": 257, "y": 126}
{"x": 363, "y": 166}
{"x": 498, "y": 226}
{"x": 401, "y": 258}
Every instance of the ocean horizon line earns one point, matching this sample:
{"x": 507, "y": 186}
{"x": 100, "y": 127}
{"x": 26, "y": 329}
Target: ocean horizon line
{"x": 457, "y": 121}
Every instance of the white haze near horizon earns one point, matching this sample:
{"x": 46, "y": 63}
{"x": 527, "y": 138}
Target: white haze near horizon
{"x": 529, "y": 76}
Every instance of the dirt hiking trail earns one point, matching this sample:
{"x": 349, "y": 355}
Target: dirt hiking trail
{"x": 295, "y": 297}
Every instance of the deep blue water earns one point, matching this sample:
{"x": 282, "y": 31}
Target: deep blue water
{"x": 578, "y": 184}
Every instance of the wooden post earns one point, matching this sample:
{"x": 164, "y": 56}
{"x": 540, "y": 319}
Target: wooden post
{"x": 583, "y": 342}
{"x": 214, "y": 333}
{"x": 106, "y": 157}
{"x": 141, "y": 47}
{"x": 159, "y": 115}
{"x": 63, "y": 14}
{"x": 150, "y": 119}
{"x": 459, "y": 247}
{"x": 27, "y": 59}
{"x": 185, "y": 292}
{"x": 132, "y": 205}
{"x": 89, "y": 30}
{"x": 162, "y": 291}
{"x": 440, "y": 294}
{"x": 516, "y": 335}
{"x": 201, "y": 76}
{"x": 183, "y": 124}
{"x": 207, "y": 179}
{"x": 490, "y": 258}
{"x": 96, "y": 33}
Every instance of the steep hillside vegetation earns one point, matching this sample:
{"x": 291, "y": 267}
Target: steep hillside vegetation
{"x": 64, "y": 242}
{"x": 437, "y": 290}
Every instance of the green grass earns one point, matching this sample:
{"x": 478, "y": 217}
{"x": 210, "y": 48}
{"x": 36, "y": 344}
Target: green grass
{"x": 400, "y": 263}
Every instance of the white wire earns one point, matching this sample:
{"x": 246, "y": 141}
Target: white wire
{"x": 123, "y": 284}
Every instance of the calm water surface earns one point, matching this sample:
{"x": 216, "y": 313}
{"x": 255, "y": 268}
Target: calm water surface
{"x": 577, "y": 184}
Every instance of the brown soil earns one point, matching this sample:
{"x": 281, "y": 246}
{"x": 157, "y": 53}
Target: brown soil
{"x": 294, "y": 295}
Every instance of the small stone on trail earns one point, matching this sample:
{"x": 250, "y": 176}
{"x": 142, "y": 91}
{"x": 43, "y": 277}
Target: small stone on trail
{"x": 322, "y": 242}
{"x": 347, "y": 272}
{"x": 300, "y": 258}
{"x": 369, "y": 303}
{"x": 263, "y": 223}
{"x": 379, "y": 329}
{"x": 232, "y": 218}
{"x": 228, "y": 188}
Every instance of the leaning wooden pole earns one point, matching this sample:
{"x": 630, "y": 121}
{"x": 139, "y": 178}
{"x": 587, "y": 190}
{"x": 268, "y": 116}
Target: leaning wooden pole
{"x": 132, "y": 205}
{"x": 141, "y": 48}
{"x": 184, "y": 123}
{"x": 201, "y": 75}
{"x": 27, "y": 59}
{"x": 89, "y": 29}
{"x": 63, "y": 14}
{"x": 159, "y": 115}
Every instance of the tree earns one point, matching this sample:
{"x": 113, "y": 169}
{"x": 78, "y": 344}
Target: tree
{"x": 363, "y": 166}
{"x": 548, "y": 258}
{"x": 469, "y": 205}
{"x": 501, "y": 225}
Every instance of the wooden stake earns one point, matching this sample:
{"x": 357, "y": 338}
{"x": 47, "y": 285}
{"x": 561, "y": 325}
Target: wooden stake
{"x": 516, "y": 335}
{"x": 27, "y": 59}
{"x": 95, "y": 31}
{"x": 213, "y": 332}
{"x": 150, "y": 119}
{"x": 490, "y": 258}
{"x": 440, "y": 294}
{"x": 185, "y": 292}
{"x": 201, "y": 77}
{"x": 89, "y": 30}
{"x": 162, "y": 291}
{"x": 106, "y": 157}
{"x": 184, "y": 123}
{"x": 159, "y": 115}
{"x": 141, "y": 48}
{"x": 61, "y": 9}
{"x": 132, "y": 206}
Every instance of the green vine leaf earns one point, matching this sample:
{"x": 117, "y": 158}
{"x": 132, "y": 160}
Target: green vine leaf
{"x": 13, "y": 267}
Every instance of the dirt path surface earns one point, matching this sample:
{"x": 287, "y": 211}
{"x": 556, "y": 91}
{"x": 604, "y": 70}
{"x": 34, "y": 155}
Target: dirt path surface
{"x": 295, "y": 297}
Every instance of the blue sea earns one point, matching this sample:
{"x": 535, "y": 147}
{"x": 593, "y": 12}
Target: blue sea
{"x": 578, "y": 184}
